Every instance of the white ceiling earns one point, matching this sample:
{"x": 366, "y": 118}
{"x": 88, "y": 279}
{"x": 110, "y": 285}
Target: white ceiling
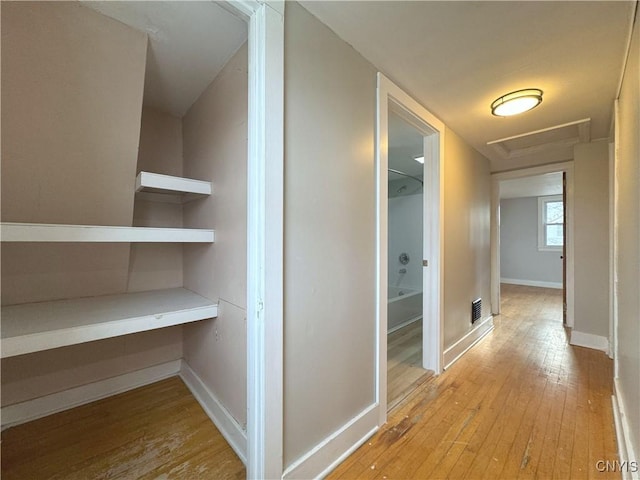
{"x": 537, "y": 186}
{"x": 189, "y": 43}
{"x": 457, "y": 57}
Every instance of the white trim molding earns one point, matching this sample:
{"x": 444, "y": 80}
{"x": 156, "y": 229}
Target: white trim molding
{"x": 588, "y": 340}
{"x": 332, "y": 451}
{"x": 531, "y": 283}
{"x": 74, "y": 397}
{"x": 495, "y": 245}
{"x": 453, "y": 353}
{"x": 626, "y": 451}
{"x": 614, "y": 209}
{"x": 613, "y": 259}
{"x": 404, "y": 324}
{"x": 584, "y": 135}
{"x": 230, "y": 429}
{"x": 265, "y": 234}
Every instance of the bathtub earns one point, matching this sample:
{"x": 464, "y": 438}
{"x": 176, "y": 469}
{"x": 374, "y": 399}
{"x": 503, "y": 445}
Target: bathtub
{"x": 404, "y": 307}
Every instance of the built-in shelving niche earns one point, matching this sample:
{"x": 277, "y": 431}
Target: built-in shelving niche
{"x": 121, "y": 276}
{"x": 34, "y": 327}
{"x": 40, "y": 326}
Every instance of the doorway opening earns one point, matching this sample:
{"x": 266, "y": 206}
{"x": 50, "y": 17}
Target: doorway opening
{"x": 413, "y": 271}
{"x": 532, "y": 235}
{"x": 405, "y": 240}
{"x": 532, "y": 241}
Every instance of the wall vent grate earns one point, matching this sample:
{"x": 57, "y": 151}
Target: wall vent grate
{"x": 476, "y": 310}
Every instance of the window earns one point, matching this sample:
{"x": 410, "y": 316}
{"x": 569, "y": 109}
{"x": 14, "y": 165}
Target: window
{"x": 550, "y": 223}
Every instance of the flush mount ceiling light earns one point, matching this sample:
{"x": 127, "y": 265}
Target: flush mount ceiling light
{"x": 419, "y": 159}
{"x": 516, "y": 102}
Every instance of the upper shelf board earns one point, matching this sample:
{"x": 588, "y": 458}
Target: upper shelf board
{"x": 158, "y": 187}
{"x": 41, "y": 326}
{"x": 42, "y": 232}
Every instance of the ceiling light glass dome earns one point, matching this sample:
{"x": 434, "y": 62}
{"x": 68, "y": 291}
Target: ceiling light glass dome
{"x": 516, "y": 102}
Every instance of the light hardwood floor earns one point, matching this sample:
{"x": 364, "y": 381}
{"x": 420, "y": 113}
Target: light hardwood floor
{"x": 520, "y": 404}
{"x": 154, "y": 432}
{"x": 404, "y": 360}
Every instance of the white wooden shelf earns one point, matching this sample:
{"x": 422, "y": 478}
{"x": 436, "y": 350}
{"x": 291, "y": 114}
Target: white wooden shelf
{"x": 41, "y": 326}
{"x": 166, "y": 188}
{"x": 42, "y": 232}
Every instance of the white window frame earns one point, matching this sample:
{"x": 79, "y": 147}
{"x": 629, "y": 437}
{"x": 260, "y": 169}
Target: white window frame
{"x": 542, "y": 244}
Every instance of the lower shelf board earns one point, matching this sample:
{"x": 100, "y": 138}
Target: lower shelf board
{"x": 41, "y": 326}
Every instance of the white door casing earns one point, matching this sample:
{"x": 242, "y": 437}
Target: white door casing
{"x": 391, "y": 97}
{"x": 265, "y": 213}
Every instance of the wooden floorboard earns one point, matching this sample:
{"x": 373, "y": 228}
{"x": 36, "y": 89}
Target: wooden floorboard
{"x": 522, "y": 403}
{"x": 404, "y": 362}
{"x": 154, "y": 432}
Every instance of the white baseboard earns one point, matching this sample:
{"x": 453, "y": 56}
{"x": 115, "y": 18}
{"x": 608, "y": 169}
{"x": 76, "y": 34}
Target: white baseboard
{"x": 57, "y": 402}
{"x": 335, "y": 448}
{"x": 588, "y": 340}
{"x": 531, "y": 283}
{"x": 626, "y": 451}
{"x": 404, "y": 324}
{"x": 230, "y": 429}
{"x": 455, "y": 351}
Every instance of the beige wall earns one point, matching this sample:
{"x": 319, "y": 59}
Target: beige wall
{"x": 330, "y": 233}
{"x": 502, "y": 164}
{"x": 72, "y": 83}
{"x": 160, "y": 143}
{"x": 329, "y": 291}
{"x": 467, "y": 254}
{"x": 154, "y": 266}
{"x": 26, "y": 377}
{"x": 591, "y": 242}
{"x": 628, "y": 245}
{"x": 215, "y": 148}
{"x": 520, "y": 258}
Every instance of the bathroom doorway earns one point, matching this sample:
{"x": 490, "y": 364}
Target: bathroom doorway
{"x": 405, "y": 238}
{"x": 399, "y": 116}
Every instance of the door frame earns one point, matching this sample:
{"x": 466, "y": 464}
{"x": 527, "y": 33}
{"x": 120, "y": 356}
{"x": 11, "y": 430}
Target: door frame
{"x": 614, "y": 162}
{"x": 391, "y": 97}
{"x": 496, "y": 178}
{"x": 265, "y": 233}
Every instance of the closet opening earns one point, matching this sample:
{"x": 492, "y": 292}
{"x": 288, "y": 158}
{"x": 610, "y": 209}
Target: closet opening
{"x": 124, "y": 210}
